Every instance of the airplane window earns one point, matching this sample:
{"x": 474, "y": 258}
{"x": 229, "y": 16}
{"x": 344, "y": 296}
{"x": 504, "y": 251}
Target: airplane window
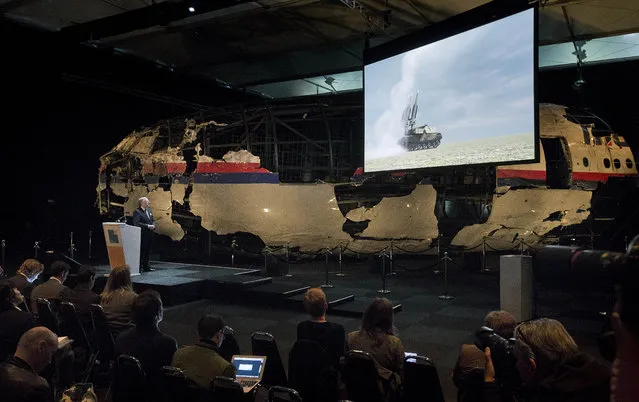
{"x": 629, "y": 163}
{"x": 617, "y": 163}
{"x": 586, "y": 162}
{"x": 607, "y": 163}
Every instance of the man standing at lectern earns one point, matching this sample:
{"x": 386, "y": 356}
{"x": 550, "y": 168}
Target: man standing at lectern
{"x": 143, "y": 218}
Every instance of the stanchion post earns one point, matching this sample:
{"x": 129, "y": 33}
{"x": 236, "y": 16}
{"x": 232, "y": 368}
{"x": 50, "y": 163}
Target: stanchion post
{"x": 4, "y": 246}
{"x": 71, "y": 246}
{"x": 384, "y": 290}
{"x": 90, "y": 244}
{"x": 288, "y": 261}
{"x": 326, "y": 284}
{"x": 446, "y": 296}
{"x": 233, "y": 246}
{"x": 484, "y": 265}
{"x": 339, "y": 259}
{"x": 36, "y": 247}
{"x": 437, "y": 269}
{"x": 391, "y": 272}
{"x": 521, "y": 245}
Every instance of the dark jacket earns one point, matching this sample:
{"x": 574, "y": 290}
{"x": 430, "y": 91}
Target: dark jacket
{"x": 202, "y": 363}
{"x": 118, "y": 310}
{"x": 13, "y": 324}
{"x": 19, "y": 383}
{"x": 82, "y": 298}
{"x": 49, "y": 290}
{"x": 141, "y": 220}
{"x": 580, "y": 378}
{"x": 328, "y": 335}
{"x": 387, "y": 351}
{"x": 22, "y": 284}
{"x": 151, "y": 347}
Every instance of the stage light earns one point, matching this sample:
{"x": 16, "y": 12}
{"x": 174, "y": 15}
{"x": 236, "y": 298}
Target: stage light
{"x": 265, "y": 209}
{"x": 191, "y": 9}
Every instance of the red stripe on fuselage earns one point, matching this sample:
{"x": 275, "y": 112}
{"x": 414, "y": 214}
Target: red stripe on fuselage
{"x": 522, "y": 174}
{"x": 597, "y": 176}
{"x": 229, "y": 167}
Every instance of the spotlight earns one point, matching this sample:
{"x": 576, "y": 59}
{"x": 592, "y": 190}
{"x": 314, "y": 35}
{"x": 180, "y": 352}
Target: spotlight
{"x": 191, "y": 9}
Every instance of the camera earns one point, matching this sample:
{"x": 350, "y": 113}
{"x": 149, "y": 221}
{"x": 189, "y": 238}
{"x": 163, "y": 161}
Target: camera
{"x": 581, "y": 267}
{"x": 501, "y": 351}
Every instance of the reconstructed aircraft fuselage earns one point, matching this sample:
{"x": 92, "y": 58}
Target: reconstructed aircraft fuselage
{"x": 235, "y": 197}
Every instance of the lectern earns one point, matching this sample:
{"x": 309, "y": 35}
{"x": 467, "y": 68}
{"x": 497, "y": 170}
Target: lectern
{"x": 123, "y": 245}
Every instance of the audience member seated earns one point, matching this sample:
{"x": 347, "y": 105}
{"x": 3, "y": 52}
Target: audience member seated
{"x": 624, "y": 385}
{"x": 550, "y": 366}
{"x": 145, "y": 341}
{"x": 202, "y": 362}
{"x": 117, "y": 300}
{"x": 82, "y": 296}
{"x": 52, "y": 288}
{"x": 329, "y": 335}
{"x": 13, "y": 321}
{"x": 26, "y": 275}
{"x": 19, "y": 379}
{"x": 468, "y": 374}
{"x": 376, "y": 338}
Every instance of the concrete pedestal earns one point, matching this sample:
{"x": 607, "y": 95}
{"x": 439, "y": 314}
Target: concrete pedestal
{"x": 516, "y": 285}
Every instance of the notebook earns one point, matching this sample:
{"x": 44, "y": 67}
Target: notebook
{"x": 249, "y": 370}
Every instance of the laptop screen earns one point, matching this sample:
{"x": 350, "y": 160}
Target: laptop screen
{"x": 248, "y": 366}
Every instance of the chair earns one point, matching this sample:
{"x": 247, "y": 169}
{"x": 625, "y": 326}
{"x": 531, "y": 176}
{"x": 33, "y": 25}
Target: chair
{"x": 309, "y": 372}
{"x": 230, "y": 347}
{"x": 46, "y": 316}
{"x": 282, "y": 394}
{"x": 71, "y": 325}
{"x": 421, "y": 380}
{"x": 178, "y": 387}
{"x": 361, "y": 378}
{"x": 263, "y": 344}
{"x": 227, "y": 390}
{"x": 129, "y": 381}
{"x": 104, "y": 341}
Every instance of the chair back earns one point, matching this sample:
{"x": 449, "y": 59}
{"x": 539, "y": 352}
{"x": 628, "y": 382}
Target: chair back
{"x": 264, "y": 344}
{"x": 178, "y": 387}
{"x": 230, "y": 347}
{"x": 46, "y": 316}
{"x": 226, "y": 389}
{"x": 309, "y": 372}
{"x": 129, "y": 381}
{"x": 421, "y": 381}
{"x": 71, "y": 325}
{"x": 103, "y": 337}
{"x": 361, "y": 378}
{"x": 282, "y": 394}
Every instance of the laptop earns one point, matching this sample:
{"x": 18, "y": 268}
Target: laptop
{"x": 249, "y": 370}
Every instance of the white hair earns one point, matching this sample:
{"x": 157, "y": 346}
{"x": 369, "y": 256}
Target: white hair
{"x": 142, "y": 199}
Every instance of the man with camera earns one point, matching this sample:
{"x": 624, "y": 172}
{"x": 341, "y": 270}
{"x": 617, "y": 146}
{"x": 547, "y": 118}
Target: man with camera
{"x": 550, "y": 366}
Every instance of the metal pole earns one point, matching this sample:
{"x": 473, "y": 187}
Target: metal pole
{"x": 438, "y": 270}
{"x": 71, "y": 246}
{"x": 521, "y": 245}
{"x": 446, "y": 296}
{"x": 288, "y": 261}
{"x": 484, "y": 268}
{"x": 233, "y": 245}
{"x": 90, "y": 237}
{"x": 36, "y": 247}
{"x": 383, "y": 290}
{"x": 4, "y": 246}
{"x": 326, "y": 285}
{"x": 330, "y": 143}
{"x": 390, "y": 259}
{"x": 340, "y": 273}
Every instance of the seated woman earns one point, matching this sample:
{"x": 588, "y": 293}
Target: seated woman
{"x": 13, "y": 321}
{"x": 117, "y": 300}
{"x": 376, "y": 338}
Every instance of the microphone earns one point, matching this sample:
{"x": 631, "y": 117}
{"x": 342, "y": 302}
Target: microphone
{"x": 121, "y": 219}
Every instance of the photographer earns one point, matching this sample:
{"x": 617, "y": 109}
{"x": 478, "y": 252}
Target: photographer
{"x": 468, "y": 374}
{"x": 550, "y": 366}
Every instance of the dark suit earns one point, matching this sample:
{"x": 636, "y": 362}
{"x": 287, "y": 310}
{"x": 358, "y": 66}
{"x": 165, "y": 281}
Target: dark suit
{"x": 22, "y": 284}
{"x": 19, "y": 383}
{"x": 143, "y": 220}
{"x": 13, "y": 324}
{"x": 49, "y": 290}
{"x": 82, "y": 298}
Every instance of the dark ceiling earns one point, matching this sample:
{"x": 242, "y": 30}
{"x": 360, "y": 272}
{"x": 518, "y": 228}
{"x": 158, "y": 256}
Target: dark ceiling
{"x": 244, "y": 42}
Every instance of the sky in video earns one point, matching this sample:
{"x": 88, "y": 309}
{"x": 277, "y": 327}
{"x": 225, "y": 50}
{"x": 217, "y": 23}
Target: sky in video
{"x": 474, "y": 85}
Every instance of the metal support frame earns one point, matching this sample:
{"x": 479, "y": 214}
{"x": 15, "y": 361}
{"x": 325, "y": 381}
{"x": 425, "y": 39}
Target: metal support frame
{"x": 484, "y": 266}
{"x": 90, "y": 244}
{"x": 71, "y": 247}
{"x": 372, "y": 20}
{"x": 288, "y": 262}
{"x": 384, "y": 290}
{"x": 341, "y": 274}
{"x": 36, "y": 248}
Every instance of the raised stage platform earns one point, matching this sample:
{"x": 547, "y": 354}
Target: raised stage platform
{"x": 180, "y": 283}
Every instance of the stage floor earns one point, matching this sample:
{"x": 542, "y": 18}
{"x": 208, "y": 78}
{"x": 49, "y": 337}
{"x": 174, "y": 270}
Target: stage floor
{"x": 427, "y": 325}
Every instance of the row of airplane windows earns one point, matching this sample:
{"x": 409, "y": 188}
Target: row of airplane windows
{"x": 606, "y": 161}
